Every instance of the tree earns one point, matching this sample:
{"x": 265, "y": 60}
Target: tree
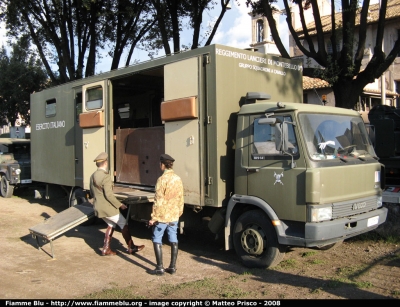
{"x": 21, "y": 74}
{"x": 174, "y": 15}
{"x": 127, "y": 27}
{"x": 342, "y": 68}
{"x": 69, "y": 34}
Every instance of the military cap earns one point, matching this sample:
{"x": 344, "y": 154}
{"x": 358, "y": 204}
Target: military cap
{"x": 101, "y": 157}
{"x": 165, "y": 157}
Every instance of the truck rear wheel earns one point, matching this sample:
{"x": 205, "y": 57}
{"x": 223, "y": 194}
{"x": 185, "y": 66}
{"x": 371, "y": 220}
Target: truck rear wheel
{"x": 6, "y": 188}
{"x": 78, "y": 197}
{"x": 255, "y": 240}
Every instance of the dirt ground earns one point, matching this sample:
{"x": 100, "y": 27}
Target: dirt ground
{"x": 356, "y": 269}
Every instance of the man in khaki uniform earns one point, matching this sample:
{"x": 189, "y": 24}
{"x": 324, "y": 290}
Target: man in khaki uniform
{"x": 107, "y": 206}
{"x": 167, "y": 208}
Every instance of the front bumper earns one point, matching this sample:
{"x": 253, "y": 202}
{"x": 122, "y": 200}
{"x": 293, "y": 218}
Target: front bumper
{"x": 317, "y": 234}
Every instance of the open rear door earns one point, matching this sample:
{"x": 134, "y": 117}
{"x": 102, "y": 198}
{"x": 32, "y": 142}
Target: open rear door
{"x": 180, "y": 112}
{"x": 94, "y": 122}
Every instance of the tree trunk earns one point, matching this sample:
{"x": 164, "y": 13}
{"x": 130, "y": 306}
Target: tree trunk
{"x": 346, "y": 94}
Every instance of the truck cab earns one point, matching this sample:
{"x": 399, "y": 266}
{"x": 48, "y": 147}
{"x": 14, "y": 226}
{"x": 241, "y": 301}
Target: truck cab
{"x": 305, "y": 175}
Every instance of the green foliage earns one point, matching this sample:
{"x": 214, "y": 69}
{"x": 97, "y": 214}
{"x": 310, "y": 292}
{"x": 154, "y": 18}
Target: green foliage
{"x": 21, "y": 75}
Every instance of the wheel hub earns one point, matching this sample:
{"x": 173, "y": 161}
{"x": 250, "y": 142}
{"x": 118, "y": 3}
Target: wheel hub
{"x": 252, "y": 240}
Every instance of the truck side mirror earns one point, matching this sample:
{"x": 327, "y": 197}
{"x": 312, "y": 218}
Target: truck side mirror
{"x": 285, "y": 137}
{"x": 278, "y": 136}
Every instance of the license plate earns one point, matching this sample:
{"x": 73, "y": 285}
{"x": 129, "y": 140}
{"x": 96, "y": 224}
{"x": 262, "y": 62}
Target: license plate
{"x": 26, "y": 181}
{"x": 372, "y": 221}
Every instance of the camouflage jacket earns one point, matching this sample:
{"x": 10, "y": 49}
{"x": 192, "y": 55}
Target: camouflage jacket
{"x": 168, "y": 200}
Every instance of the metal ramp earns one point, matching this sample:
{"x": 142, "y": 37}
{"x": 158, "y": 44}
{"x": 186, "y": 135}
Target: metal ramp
{"x": 61, "y": 223}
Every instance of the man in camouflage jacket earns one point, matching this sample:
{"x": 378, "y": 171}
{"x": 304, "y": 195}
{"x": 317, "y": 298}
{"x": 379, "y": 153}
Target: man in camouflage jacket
{"x": 167, "y": 208}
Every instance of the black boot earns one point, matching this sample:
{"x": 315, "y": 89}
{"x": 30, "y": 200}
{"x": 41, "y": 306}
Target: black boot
{"x": 159, "y": 270}
{"x": 174, "y": 255}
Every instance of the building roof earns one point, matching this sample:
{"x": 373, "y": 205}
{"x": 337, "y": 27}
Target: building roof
{"x": 316, "y": 83}
{"x": 392, "y": 12}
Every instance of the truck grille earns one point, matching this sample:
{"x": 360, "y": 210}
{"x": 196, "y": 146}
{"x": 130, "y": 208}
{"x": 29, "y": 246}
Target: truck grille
{"x": 362, "y": 205}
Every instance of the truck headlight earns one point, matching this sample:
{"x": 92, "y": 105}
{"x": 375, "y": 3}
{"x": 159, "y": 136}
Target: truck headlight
{"x": 379, "y": 202}
{"x": 319, "y": 214}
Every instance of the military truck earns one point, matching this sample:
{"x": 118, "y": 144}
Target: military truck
{"x": 15, "y": 166}
{"x": 262, "y": 169}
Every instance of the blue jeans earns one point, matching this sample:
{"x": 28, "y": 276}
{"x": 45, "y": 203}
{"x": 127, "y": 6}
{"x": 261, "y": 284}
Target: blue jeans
{"x": 159, "y": 229}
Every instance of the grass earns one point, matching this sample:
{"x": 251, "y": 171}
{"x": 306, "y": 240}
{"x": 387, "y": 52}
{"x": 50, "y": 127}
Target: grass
{"x": 316, "y": 291}
{"x": 348, "y": 271}
{"x": 114, "y": 293}
{"x": 376, "y": 237}
{"x": 308, "y": 254}
{"x": 287, "y": 264}
{"x": 364, "y": 284}
{"x": 395, "y": 292}
{"x": 317, "y": 261}
{"x": 207, "y": 286}
{"x": 338, "y": 282}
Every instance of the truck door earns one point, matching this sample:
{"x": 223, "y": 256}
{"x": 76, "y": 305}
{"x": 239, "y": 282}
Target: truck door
{"x": 270, "y": 173}
{"x": 94, "y": 121}
{"x": 182, "y": 136}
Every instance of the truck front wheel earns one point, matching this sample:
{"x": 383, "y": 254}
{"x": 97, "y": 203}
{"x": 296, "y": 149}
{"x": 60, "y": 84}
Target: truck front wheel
{"x": 255, "y": 241}
{"x": 6, "y": 188}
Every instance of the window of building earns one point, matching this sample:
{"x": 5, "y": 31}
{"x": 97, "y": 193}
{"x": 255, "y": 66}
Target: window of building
{"x": 94, "y": 98}
{"x": 260, "y": 31}
{"x": 50, "y": 107}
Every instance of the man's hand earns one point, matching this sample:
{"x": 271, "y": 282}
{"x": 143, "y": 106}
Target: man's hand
{"x": 123, "y": 207}
{"x": 152, "y": 222}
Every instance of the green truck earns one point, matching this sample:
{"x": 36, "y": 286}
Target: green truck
{"x": 259, "y": 167}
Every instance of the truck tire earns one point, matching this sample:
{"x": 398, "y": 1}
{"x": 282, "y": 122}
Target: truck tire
{"x": 255, "y": 241}
{"x": 78, "y": 197}
{"x": 7, "y": 189}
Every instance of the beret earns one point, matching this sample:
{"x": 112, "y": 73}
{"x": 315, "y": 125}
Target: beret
{"x": 101, "y": 157}
{"x": 165, "y": 157}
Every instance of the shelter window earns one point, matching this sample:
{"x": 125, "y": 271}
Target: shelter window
{"x": 94, "y": 98}
{"x": 50, "y": 107}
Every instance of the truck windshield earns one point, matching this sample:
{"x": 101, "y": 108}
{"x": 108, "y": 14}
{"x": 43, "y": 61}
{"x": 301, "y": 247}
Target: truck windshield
{"x": 335, "y": 136}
